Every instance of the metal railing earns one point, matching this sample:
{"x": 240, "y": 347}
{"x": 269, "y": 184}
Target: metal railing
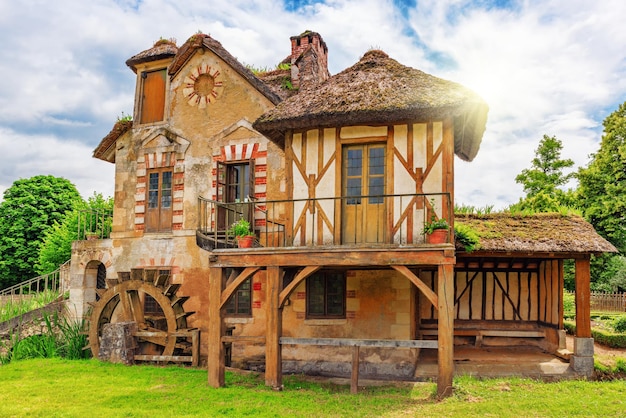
{"x": 333, "y": 221}
{"x": 94, "y": 224}
{"x": 56, "y": 281}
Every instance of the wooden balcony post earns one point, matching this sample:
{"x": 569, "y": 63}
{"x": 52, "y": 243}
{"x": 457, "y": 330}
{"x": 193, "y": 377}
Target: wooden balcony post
{"x": 445, "y": 299}
{"x": 273, "y": 330}
{"x": 216, "y": 359}
{"x": 583, "y": 298}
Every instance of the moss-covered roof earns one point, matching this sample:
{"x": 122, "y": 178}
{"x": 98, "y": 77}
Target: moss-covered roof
{"x": 539, "y": 233}
{"x": 379, "y": 90}
{"x": 163, "y": 48}
{"x": 103, "y": 151}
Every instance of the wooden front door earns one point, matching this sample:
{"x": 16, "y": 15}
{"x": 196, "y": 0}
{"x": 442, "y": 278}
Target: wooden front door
{"x": 363, "y": 204}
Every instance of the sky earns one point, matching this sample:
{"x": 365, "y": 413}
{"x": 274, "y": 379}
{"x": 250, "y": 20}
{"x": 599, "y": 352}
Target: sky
{"x": 554, "y": 67}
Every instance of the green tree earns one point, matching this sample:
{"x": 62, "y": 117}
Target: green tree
{"x": 56, "y": 247}
{"x": 30, "y": 207}
{"x": 543, "y": 182}
{"x": 602, "y": 184}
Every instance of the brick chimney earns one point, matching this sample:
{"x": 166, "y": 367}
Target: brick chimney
{"x": 309, "y": 60}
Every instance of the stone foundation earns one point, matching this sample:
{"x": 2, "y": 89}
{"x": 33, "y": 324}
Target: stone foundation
{"x": 118, "y": 344}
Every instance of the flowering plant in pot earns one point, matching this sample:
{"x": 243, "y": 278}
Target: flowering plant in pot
{"x": 436, "y": 230}
{"x": 242, "y": 233}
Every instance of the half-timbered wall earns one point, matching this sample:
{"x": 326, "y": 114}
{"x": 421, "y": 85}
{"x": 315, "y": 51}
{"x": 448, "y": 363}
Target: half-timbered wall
{"x": 418, "y": 159}
{"x": 521, "y": 295}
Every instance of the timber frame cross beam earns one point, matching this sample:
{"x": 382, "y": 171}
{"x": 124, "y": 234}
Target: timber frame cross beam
{"x": 356, "y": 344}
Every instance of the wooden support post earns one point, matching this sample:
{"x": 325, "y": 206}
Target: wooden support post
{"x": 445, "y": 337}
{"x": 195, "y": 347}
{"x": 216, "y": 360}
{"x": 273, "y": 330}
{"x": 354, "y": 379}
{"x": 583, "y": 298}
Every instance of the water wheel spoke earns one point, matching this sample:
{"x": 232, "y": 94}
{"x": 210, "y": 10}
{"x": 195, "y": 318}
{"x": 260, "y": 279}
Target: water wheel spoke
{"x": 125, "y": 302}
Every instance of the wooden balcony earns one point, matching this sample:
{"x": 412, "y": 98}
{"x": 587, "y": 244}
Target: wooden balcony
{"x": 386, "y": 221}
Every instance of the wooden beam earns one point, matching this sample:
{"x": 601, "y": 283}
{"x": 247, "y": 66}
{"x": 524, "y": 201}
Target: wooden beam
{"x": 351, "y": 342}
{"x": 344, "y": 256}
{"x": 445, "y": 338}
{"x": 216, "y": 360}
{"x": 302, "y": 274}
{"x": 232, "y": 286}
{"x": 427, "y": 291}
{"x": 583, "y": 298}
{"x": 273, "y": 330}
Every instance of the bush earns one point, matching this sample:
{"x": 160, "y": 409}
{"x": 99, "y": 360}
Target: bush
{"x": 62, "y": 338}
{"x": 619, "y": 324}
{"x": 569, "y": 304}
{"x": 467, "y": 237}
{"x": 600, "y": 336}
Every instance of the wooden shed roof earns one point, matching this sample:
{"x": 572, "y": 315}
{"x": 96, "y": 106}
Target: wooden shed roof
{"x": 379, "y": 90}
{"x": 539, "y": 233}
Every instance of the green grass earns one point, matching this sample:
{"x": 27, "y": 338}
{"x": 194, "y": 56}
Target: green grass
{"x": 11, "y": 309}
{"x": 79, "y": 388}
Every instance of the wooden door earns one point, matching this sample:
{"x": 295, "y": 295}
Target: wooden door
{"x": 153, "y": 96}
{"x": 363, "y": 187}
{"x": 159, "y": 201}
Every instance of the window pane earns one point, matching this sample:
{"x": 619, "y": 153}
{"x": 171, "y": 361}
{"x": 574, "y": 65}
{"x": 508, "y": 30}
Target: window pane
{"x": 377, "y": 161}
{"x": 315, "y": 295}
{"x": 355, "y": 162}
{"x": 353, "y": 188}
{"x": 166, "y": 190}
{"x": 376, "y": 188}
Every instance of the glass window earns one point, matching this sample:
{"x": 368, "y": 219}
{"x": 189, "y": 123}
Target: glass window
{"x": 240, "y": 303}
{"x": 326, "y": 295}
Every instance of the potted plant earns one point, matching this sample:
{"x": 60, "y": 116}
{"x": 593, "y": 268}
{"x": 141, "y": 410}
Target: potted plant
{"x": 436, "y": 230}
{"x": 242, "y": 233}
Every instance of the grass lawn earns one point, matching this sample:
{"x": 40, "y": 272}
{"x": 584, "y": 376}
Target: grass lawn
{"x": 89, "y": 388}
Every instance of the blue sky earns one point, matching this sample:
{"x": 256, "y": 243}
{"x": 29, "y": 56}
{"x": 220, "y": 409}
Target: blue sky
{"x": 545, "y": 67}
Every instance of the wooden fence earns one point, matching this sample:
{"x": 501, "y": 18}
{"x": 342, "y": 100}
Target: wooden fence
{"x": 608, "y": 302}
{"x": 605, "y": 302}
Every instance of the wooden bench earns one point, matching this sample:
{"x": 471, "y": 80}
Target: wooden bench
{"x": 480, "y": 333}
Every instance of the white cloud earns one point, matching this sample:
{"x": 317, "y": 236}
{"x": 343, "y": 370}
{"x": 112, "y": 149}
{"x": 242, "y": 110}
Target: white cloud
{"x": 551, "y": 67}
{"x": 43, "y": 154}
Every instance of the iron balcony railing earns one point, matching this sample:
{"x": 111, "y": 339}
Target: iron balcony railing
{"x": 333, "y": 221}
{"x": 94, "y": 224}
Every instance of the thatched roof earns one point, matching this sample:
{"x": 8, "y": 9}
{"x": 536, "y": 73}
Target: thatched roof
{"x": 104, "y": 150}
{"x": 278, "y": 80}
{"x": 539, "y": 233}
{"x": 200, "y": 40}
{"x": 379, "y": 90}
{"x": 163, "y": 48}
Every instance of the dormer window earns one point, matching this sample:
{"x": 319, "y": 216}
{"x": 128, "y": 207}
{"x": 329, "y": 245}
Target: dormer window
{"x": 152, "y": 106}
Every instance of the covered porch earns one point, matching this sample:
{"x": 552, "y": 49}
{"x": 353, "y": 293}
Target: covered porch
{"x": 287, "y": 268}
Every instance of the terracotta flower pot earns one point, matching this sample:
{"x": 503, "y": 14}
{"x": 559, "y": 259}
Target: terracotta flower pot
{"x": 246, "y": 241}
{"x": 438, "y": 236}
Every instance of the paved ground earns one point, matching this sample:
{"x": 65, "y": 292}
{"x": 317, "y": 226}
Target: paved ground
{"x": 603, "y": 353}
{"x": 525, "y": 361}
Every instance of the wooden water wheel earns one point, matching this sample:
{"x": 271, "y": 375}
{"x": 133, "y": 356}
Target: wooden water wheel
{"x": 146, "y": 298}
